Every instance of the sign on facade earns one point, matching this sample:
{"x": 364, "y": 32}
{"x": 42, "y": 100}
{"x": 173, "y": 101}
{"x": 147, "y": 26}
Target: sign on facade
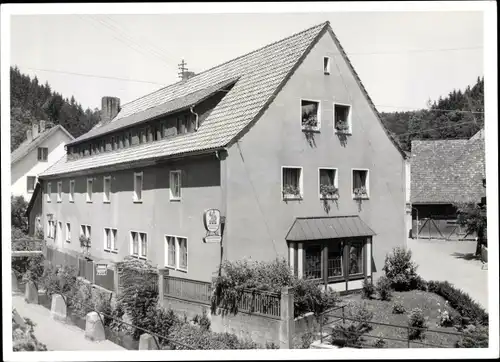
{"x": 101, "y": 269}
{"x": 212, "y": 222}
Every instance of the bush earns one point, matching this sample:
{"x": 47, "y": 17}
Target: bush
{"x": 361, "y": 314}
{"x": 309, "y": 297}
{"x": 368, "y": 289}
{"x": 203, "y": 321}
{"x": 474, "y": 337}
{"x": 379, "y": 343}
{"x": 398, "y": 308}
{"x": 347, "y": 334}
{"x": 417, "y": 324}
{"x": 23, "y": 337}
{"x": 460, "y": 301}
{"x": 384, "y": 289}
{"x": 17, "y": 213}
{"x": 60, "y": 280}
{"x": 400, "y": 269}
{"x": 307, "y": 339}
{"x": 272, "y": 345}
{"x": 419, "y": 283}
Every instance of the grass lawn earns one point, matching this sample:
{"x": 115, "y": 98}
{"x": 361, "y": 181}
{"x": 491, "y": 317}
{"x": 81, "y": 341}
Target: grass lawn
{"x": 382, "y": 313}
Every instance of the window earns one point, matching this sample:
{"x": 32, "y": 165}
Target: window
{"x": 110, "y": 239}
{"x": 313, "y": 266}
{"x": 138, "y": 187}
{"x": 112, "y": 143}
{"x": 175, "y": 185}
{"x": 59, "y": 191}
{"x": 141, "y": 136}
{"x": 51, "y": 228}
{"x": 85, "y": 230}
{"x": 107, "y": 189}
{"x": 68, "y": 232}
{"x": 335, "y": 251}
{"x": 30, "y": 183}
{"x": 129, "y": 135}
{"x": 49, "y": 191}
{"x": 72, "y": 191}
{"x": 89, "y": 189}
{"x": 292, "y": 182}
{"x": 155, "y": 133}
{"x": 342, "y": 118}
{"x": 310, "y": 115}
{"x": 328, "y": 183}
{"x": 43, "y": 153}
{"x": 326, "y": 65}
{"x": 355, "y": 258}
{"x": 360, "y": 185}
{"x": 149, "y": 136}
{"x": 139, "y": 244}
{"x": 176, "y": 253}
{"x": 188, "y": 125}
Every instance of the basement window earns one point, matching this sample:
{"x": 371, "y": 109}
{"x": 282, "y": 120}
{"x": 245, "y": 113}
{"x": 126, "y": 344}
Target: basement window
{"x": 310, "y": 115}
{"x": 326, "y": 65}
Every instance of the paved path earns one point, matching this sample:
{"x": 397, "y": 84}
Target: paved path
{"x": 57, "y": 336}
{"x": 452, "y": 261}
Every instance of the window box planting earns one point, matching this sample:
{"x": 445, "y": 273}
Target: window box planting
{"x": 360, "y": 193}
{"x": 341, "y": 127}
{"x": 291, "y": 192}
{"x": 85, "y": 244}
{"x": 329, "y": 192}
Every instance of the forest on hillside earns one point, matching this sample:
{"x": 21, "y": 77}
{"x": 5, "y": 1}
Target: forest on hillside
{"x": 31, "y": 101}
{"x": 459, "y": 115}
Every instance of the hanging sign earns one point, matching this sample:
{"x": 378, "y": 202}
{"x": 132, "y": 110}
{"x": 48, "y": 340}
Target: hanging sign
{"x": 212, "y": 222}
{"x": 101, "y": 269}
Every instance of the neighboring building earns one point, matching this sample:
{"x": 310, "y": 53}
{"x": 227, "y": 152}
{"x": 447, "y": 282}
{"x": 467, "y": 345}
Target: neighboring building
{"x": 445, "y": 173}
{"x": 34, "y": 211}
{"x": 42, "y": 148}
{"x": 258, "y": 137}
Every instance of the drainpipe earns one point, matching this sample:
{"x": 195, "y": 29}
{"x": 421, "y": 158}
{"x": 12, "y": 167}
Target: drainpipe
{"x": 197, "y": 118}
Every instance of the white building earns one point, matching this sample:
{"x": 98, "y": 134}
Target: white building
{"x": 42, "y": 148}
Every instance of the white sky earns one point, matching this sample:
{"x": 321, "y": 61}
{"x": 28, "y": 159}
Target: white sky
{"x": 402, "y": 77}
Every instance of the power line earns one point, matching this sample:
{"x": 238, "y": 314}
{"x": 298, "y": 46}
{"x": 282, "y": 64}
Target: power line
{"x": 431, "y": 109}
{"x": 417, "y": 51}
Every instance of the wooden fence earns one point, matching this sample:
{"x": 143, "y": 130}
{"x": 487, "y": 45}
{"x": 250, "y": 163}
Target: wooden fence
{"x": 259, "y": 302}
{"x": 187, "y": 289}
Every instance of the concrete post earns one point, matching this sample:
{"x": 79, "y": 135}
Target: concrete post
{"x": 58, "y": 308}
{"x": 147, "y": 342}
{"x": 116, "y": 280}
{"x": 15, "y": 285}
{"x": 161, "y": 285}
{"x": 94, "y": 330}
{"x": 31, "y": 293}
{"x": 287, "y": 324}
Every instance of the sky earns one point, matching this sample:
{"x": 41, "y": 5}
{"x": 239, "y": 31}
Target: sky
{"x": 403, "y": 58}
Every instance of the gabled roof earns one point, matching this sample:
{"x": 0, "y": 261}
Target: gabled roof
{"x": 26, "y": 147}
{"x": 328, "y": 227}
{"x": 34, "y": 196}
{"x": 260, "y": 76}
{"x": 447, "y": 171}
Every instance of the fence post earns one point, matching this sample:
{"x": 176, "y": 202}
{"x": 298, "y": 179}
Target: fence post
{"x": 287, "y": 324}
{"x": 408, "y": 336}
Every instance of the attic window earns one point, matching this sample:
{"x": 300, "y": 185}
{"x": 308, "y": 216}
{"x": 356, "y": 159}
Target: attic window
{"x": 326, "y": 65}
{"x": 310, "y": 115}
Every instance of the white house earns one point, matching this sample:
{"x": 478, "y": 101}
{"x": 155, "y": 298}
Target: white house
{"x": 42, "y": 148}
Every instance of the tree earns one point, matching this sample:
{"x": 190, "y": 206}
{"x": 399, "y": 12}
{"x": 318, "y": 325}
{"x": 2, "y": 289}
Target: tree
{"x": 18, "y": 211}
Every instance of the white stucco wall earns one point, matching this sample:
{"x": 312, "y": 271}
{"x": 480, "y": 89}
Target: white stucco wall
{"x": 30, "y": 166}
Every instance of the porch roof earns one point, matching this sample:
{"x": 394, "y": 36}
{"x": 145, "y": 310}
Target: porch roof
{"x": 318, "y": 228}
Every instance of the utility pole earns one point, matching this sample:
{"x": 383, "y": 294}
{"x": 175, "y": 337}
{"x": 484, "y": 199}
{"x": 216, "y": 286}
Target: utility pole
{"x": 182, "y": 68}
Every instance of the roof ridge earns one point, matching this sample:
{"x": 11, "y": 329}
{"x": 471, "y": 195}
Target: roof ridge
{"x": 234, "y": 59}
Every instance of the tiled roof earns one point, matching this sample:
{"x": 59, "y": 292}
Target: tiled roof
{"x": 333, "y": 227}
{"x": 26, "y": 147}
{"x": 260, "y": 75}
{"x": 447, "y": 171}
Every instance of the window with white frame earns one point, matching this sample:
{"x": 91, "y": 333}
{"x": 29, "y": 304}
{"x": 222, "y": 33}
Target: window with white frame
{"x": 175, "y": 185}
{"x": 310, "y": 114}
{"x": 110, "y": 239}
{"x": 342, "y": 118}
{"x": 328, "y": 183}
{"x": 176, "y": 252}
{"x": 51, "y": 229}
{"x": 326, "y": 65}
{"x": 59, "y": 191}
{"x": 85, "y": 230}
{"x": 30, "y": 183}
{"x": 138, "y": 244}
{"x": 138, "y": 187}
{"x": 71, "y": 194}
{"x": 360, "y": 184}
{"x": 90, "y": 183}
{"x": 49, "y": 191}
{"x": 43, "y": 154}
{"x": 68, "y": 232}
{"x": 291, "y": 187}
{"x": 107, "y": 189}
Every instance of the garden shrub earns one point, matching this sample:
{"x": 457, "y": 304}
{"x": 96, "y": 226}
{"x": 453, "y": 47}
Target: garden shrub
{"x": 361, "y": 314}
{"x": 307, "y": 339}
{"x": 272, "y": 345}
{"x": 419, "y": 283}
{"x": 474, "y": 337}
{"x": 203, "y": 321}
{"x": 347, "y": 334}
{"x": 384, "y": 288}
{"x": 460, "y": 301}
{"x": 398, "y": 308}
{"x": 309, "y": 297}
{"x": 18, "y": 212}
{"x": 379, "y": 343}
{"x": 23, "y": 337}
{"x": 400, "y": 269}
{"x": 368, "y": 289}
{"x": 59, "y": 280}
{"x": 417, "y": 324}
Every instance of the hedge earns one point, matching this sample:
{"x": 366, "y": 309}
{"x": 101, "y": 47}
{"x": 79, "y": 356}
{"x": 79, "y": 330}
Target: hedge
{"x": 460, "y": 301}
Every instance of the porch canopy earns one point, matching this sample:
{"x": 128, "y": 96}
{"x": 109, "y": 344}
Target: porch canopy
{"x": 328, "y": 227}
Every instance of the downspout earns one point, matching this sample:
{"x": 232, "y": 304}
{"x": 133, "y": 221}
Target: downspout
{"x": 197, "y": 118}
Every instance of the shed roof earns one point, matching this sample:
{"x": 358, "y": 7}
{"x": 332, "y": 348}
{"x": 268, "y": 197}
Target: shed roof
{"x": 333, "y": 227}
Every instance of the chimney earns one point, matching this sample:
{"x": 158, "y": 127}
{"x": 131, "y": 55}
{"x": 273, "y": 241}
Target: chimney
{"x": 29, "y": 135}
{"x": 42, "y": 126}
{"x": 34, "y": 127}
{"x": 110, "y": 108}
